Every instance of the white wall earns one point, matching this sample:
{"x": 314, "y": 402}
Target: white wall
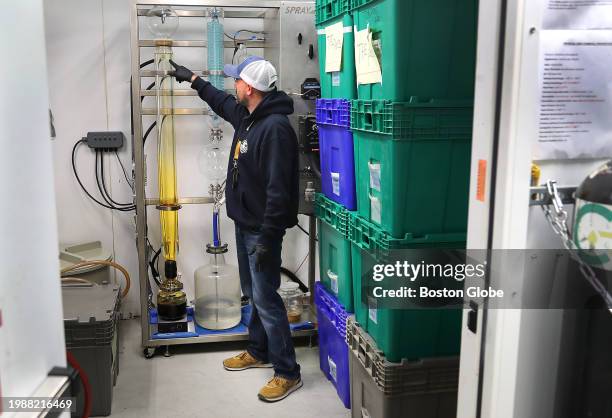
{"x": 31, "y": 325}
{"x": 89, "y": 71}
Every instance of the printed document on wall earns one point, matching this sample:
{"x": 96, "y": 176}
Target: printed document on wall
{"x": 334, "y": 35}
{"x": 577, "y": 14}
{"x": 575, "y": 87}
{"x": 366, "y": 61}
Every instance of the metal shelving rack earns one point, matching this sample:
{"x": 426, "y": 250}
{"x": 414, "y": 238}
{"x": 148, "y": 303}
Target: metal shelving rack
{"x": 236, "y": 9}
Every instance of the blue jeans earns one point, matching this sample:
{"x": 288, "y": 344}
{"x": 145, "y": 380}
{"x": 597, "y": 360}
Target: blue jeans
{"x": 269, "y": 333}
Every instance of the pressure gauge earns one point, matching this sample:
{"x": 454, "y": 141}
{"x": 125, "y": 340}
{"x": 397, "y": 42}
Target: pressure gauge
{"x": 593, "y": 218}
{"x": 593, "y": 231}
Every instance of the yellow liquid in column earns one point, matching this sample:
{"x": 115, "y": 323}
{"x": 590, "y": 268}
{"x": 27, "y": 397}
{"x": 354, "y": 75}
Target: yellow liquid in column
{"x": 171, "y": 300}
{"x": 167, "y": 158}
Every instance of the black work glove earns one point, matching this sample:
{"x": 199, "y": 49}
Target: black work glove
{"x": 260, "y": 251}
{"x": 180, "y": 73}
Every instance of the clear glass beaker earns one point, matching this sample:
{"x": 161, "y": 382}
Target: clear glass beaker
{"x": 217, "y": 290}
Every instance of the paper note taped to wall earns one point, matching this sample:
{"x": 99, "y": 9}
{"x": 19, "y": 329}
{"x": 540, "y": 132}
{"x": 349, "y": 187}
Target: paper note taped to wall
{"x": 366, "y": 61}
{"x": 334, "y": 36}
{"x": 575, "y": 95}
{"x": 577, "y": 14}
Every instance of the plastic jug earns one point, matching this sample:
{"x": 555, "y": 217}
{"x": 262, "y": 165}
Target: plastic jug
{"x": 217, "y": 290}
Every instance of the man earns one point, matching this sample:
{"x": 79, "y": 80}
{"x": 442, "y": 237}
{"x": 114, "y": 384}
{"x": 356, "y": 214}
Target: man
{"x": 261, "y": 194}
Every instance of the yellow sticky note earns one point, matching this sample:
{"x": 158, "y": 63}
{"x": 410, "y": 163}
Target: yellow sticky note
{"x": 366, "y": 62}
{"x": 334, "y": 36}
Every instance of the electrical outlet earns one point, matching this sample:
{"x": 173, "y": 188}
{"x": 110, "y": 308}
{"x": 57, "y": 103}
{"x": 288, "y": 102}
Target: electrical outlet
{"x": 105, "y": 140}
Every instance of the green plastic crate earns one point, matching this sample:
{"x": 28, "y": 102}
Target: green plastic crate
{"x": 333, "y": 213}
{"x": 425, "y": 48}
{"x": 405, "y": 333}
{"x": 417, "y": 184}
{"x": 335, "y": 263}
{"x": 370, "y": 237}
{"x": 328, "y": 9}
{"x": 360, "y": 309}
{"x": 339, "y": 84}
{"x": 417, "y": 118}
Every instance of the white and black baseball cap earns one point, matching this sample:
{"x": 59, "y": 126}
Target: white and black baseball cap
{"x": 255, "y": 71}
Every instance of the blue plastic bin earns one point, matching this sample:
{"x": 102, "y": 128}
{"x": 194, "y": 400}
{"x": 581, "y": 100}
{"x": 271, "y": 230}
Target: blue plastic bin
{"x": 333, "y": 349}
{"x": 336, "y": 152}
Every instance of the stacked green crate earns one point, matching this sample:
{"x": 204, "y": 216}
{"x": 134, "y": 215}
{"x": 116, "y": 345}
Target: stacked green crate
{"x": 337, "y": 84}
{"x": 334, "y": 249}
{"x": 410, "y": 333}
{"x": 425, "y": 48}
{"x": 412, "y": 164}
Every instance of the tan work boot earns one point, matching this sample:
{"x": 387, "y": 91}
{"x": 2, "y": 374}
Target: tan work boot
{"x": 243, "y": 361}
{"x": 279, "y": 388}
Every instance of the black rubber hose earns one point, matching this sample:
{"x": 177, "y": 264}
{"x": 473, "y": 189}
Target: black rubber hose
{"x": 294, "y": 278}
{"x": 144, "y": 64}
{"x": 154, "y": 271}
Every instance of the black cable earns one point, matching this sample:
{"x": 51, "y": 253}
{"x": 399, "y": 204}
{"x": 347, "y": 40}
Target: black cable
{"x": 104, "y": 183}
{"x": 100, "y": 184}
{"x": 236, "y": 47}
{"x": 102, "y": 188}
{"x": 235, "y": 39}
{"x": 149, "y": 87}
{"x": 124, "y": 172}
{"x": 129, "y": 206}
{"x": 76, "y": 175}
{"x": 144, "y": 64}
{"x": 144, "y": 137}
{"x": 154, "y": 270}
{"x": 306, "y": 232}
{"x": 294, "y": 278}
{"x": 155, "y": 267}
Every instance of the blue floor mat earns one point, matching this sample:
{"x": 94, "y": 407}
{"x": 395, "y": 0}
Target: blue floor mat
{"x": 198, "y": 330}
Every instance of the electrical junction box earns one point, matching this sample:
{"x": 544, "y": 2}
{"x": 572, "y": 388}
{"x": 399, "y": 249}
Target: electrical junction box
{"x": 110, "y": 140}
{"x": 308, "y": 134}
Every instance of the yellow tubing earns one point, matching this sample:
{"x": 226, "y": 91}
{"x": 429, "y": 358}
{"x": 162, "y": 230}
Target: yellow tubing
{"x": 102, "y": 263}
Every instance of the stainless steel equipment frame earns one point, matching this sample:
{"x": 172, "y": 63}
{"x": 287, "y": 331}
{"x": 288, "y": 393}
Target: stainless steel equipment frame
{"x": 241, "y": 9}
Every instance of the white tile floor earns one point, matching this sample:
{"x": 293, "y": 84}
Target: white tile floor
{"x": 192, "y": 383}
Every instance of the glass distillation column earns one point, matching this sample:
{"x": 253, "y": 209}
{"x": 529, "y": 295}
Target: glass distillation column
{"x": 214, "y": 31}
{"x": 171, "y": 299}
{"x": 217, "y": 285}
{"x": 213, "y": 158}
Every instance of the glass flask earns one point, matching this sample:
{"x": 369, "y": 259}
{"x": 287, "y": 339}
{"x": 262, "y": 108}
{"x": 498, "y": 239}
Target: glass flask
{"x": 162, "y": 22}
{"x": 217, "y": 290}
{"x": 292, "y": 298}
{"x": 171, "y": 299}
{"x": 212, "y": 161}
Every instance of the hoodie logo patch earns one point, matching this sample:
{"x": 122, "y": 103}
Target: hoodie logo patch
{"x": 244, "y": 147}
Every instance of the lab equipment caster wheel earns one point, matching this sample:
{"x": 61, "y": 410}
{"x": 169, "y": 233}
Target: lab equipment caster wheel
{"x": 149, "y": 352}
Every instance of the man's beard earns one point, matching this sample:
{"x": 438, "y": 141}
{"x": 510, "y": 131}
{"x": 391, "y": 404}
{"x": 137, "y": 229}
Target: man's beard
{"x": 243, "y": 102}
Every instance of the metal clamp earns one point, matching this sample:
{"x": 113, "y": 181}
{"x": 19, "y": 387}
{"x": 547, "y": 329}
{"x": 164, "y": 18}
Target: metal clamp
{"x": 541, "y": 195}
{"x": 168, "y": 208}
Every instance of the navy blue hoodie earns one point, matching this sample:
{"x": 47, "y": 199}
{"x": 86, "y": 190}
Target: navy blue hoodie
{"x": 266, "y": 195}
